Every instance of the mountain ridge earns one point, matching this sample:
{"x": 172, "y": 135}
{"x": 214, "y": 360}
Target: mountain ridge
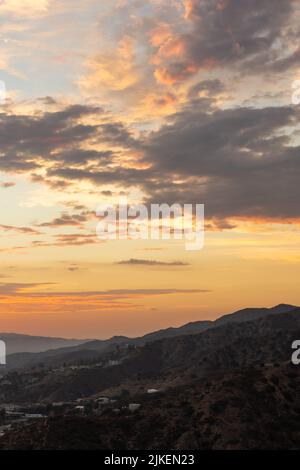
{"x": 167, "y": 361}
{"x": 21, "y": 358}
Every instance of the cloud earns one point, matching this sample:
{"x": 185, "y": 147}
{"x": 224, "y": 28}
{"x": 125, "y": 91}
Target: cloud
{"x": 54, "y": 141}
{"x": 231, "y": 33}
{"x": 8, "y": 289}
{"x": 231, "y": 160}
{"x": 23, "y": 230}
{"x": 21, "y": 288}
{"x": 75, "y": 220}
{"x": 7, "y": 184}
{"x": 227, "y": 159}
{"x": 175, "y": 72}
{"x": 145, "y": 262}
{"x": 208, "y": 87}
{"x": 115, "y": 70}
{"x": 73, "y": 267}
{"x": 125, "y": 293}
{"x": 72, "y": 239}
{"x": 24, "y": 8}
{"x": 18, "y": 296}
{"x": 31, "y": 136}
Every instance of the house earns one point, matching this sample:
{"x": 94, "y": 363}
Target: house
{"x": 80, "y": 409}
{"x": 14, "y": 414}
{"x": 4, "y": 428}
{"x": 34, "y": 416}
{"x": 103, "y": 401}
{"x": 111, "y": 363}
{"x": 59, "y": 404}
{"x": 134, "y": 406}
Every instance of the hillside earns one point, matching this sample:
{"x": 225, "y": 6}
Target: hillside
{"x": 169, "y": 361}
{"x": 96, "y": 348}
{"x": 250, "y": 408}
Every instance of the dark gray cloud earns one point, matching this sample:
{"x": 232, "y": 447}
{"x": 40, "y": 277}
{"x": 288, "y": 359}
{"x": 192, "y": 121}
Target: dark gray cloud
{"x": 24, "y": 138}
{"x": 238, "y": 162}
{"x": 118, "y": 174}
{"x": 48, "y": 100}
{"x": 211, "y": 87}
{"x": 238, "y": 33}
{"x": 56, "y": 139}
{"x": 77, "y": 156}
{"x": 223, "y": 142}
{"x": 116, "y": 133}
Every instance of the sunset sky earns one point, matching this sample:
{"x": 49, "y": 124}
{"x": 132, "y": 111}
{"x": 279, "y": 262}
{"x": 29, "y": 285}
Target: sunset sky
{"x": 164, "y": 101}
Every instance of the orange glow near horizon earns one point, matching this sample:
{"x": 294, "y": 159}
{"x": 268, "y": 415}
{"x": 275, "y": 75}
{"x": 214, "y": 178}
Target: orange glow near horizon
{"x": 160, "y": 103}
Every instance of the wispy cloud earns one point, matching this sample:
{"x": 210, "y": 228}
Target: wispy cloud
{"x": 23, "y": 230}
{"x": 21, "y": 296}
{"x": 7, "y": 184}
{"x": 148, "y": 262}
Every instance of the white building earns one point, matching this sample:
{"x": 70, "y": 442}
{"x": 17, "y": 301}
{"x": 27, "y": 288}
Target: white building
{"x": 34, "y": 416}
{"x": 103, "y": 400}
{"x": 80, "y": 409}
{"x": 134, "y": 406}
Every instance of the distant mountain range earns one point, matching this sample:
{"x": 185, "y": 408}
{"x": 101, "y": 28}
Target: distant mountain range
{"x": 227, "y": 384}
{"x": 244, "y": 339}
{"x": 18, "y": 343}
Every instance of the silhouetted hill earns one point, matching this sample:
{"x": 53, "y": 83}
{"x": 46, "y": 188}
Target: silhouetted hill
{"x": 188, "y": 329}
{"x": 249, "y": 408}
{"x": 167, "y": 361}
{"x": 16, "y": 343}
{"x": 59, "y": 356}
{"x": 253, "y": 313}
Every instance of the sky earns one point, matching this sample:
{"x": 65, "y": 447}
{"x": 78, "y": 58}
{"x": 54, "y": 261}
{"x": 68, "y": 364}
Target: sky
{"x": 164, "y": 101}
